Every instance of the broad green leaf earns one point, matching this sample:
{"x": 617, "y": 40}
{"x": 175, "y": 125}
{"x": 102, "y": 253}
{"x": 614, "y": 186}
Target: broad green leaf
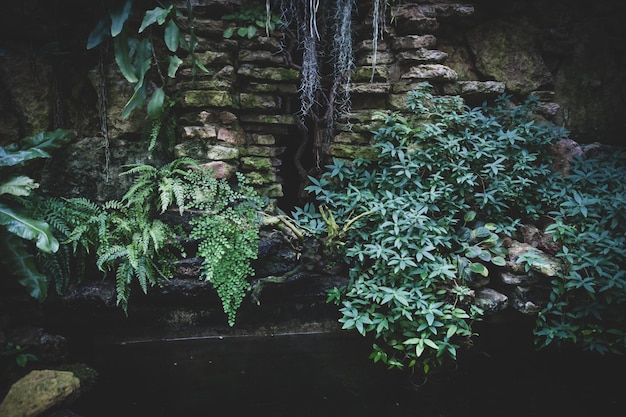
{"x": 143, "y": 58}
{"x": 473, "y": 251}
{"x": 200, "y": 65}
{"x": 469, "y": 216}
{"x": 20, "y": 186}
{"x": 119, "y": 16}
{"x": 99, "y": 33}
{"x": 175, "y": 63}
{"x": 484, "y": 256}
{"x": 33, "y": 147}
{"x": 451, "y": 331}
{"x": 482, "y": 232}
{"x": 49, "y": 141}
{"x": 228, "y": 32}
{"x": 137, "y": 100}
{"x": 242, "y": 31}
{"x": 156, "y": 103}
{"x": 158, "y": 14}
{"x": 20, "y": 224}
{"x": 9, "y": 159}
{"x": 16, "y": 259}
{"x": 479, "y": 268}
{"x": 419, "y": 349}
{"x": 430, "y": 343}
{"x": 172, "y": 34}
{"x": 498, "y": 261}
{"x": 123, "y": 58}
{"x": 464, "y": 234}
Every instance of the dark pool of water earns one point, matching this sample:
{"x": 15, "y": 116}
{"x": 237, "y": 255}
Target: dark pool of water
{"x": 329, "y": 375}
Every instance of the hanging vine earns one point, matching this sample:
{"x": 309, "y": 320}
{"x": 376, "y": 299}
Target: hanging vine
{"x": 323, "y": 33}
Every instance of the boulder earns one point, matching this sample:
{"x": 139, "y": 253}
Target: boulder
{"x": 39, "y": 391}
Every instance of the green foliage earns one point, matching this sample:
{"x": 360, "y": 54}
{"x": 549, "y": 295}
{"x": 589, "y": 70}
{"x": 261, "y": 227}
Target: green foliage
{"x": 227, "y": 231}
{"x": 249, "y": 19}
{"x": 18, "y": 223}
{"x": 425, "y": 220}
{"x": 136, "y": 54}
{"x": 133, "y": 244}
{"x": 589, "y": 222}
{"x": 19, "y": 352}
{"x": 162, "y": 129}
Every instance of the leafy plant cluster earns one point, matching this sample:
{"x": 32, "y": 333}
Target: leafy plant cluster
{"x": 136, "y": 51}
{"x": 425, "y": 220}
{"x": 137, "y": 247}
{"x": 19, "y": 353}
{"x": 588, "y": 212}
{"x": 18, "y": 225}
{"x": 249, "y": 19}
{"x": 228, "y": 233}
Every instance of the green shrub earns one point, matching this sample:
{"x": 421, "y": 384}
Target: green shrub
{"x": 423, "y": 221}
{"x": 588, "y": 212}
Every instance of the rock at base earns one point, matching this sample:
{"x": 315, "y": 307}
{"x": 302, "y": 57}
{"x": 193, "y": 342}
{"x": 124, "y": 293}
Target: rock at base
{"x": 38, "y": 392}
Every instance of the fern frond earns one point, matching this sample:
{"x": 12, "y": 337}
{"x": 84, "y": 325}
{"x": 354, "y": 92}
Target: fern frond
{"x": 131, "y": 251}
{"x": 155, "y": 130}
{"x": 141, "y": 192}
{"x": 110, "y": 254}
{"x": 123, "y": 278}
{"x": 166, "y": 193}
{"x": 174, "y": 166}
{"x": 159, "y": 233}
{"x": 179, "y": 196}
{"x": 144, "y": 275}
{"x": 114, "y": 205}
{"x": 144, "y": 169}
{"x": 83, "y": 207}
{"x": 145, "y": 240}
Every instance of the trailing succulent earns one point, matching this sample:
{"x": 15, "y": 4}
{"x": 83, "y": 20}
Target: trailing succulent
{"x": 418, "y": 225}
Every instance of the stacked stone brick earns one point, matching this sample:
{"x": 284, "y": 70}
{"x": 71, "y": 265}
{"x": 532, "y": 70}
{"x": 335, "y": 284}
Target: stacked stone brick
{"x": 235, "y": 115}
{"x": 241, "y": 114}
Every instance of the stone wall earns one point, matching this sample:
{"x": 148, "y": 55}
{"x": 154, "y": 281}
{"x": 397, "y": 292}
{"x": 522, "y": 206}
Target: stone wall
{"x": 240, "y": 116}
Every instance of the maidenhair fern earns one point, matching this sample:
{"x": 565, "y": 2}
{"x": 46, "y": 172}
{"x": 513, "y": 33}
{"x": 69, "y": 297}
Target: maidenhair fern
{"x": 226, "y": 229}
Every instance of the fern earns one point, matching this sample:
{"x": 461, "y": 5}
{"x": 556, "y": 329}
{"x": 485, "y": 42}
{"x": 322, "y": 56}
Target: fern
{"x": 227, "y": 235}
{"x": 72, "y": 223}
{"x": 123, "y": 278}
{"x": 131, "y": 242}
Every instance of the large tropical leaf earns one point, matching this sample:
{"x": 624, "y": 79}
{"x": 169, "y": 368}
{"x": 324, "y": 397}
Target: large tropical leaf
{"x": 173, "y": 67}
{"x": 15, "y": 258}
{"x": 20, "y": 185}
{"x": 158, "y": 15}
{"x": 119, "y": 16}
{"x": 19, "y": 157}
{"x": 20, "y": 224}
{"x": 33, "y": 147}
{"x": 123, "y": 56}
{"x": 49, "y": 141}
{"x": 100, "y": 32}
{"x": 172, "y": 35}
{"x": 155, "y": 105}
